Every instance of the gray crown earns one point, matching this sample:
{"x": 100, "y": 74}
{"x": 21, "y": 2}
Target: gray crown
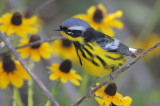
{"x": 75, "y": 22}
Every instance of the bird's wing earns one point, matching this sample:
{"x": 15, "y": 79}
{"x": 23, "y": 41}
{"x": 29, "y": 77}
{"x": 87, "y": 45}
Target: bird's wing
{"x": 114, "y": 45}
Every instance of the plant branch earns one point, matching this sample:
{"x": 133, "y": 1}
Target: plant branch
{"x": 117, "y": 73}
{"x": 34, "y": 77}
{"x": 32, "y": 43}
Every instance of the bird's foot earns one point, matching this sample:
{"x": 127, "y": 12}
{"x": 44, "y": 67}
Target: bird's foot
{"x": 112, "y": 76}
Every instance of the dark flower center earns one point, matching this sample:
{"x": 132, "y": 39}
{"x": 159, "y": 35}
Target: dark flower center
{"x": 98, "y": 15}
{"x": 34, "y": 38}
{"x": 65, "y": 66}
{"x": 16, "y": 19}
{"x": 66, "y": 43}
{"x": 111, "y": 89}
{"x": 8, "y": 64}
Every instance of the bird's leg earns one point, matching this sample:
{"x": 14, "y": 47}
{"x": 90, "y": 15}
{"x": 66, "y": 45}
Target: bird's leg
{"x": 90, "y": 87}
{"x": 112, "y": 76}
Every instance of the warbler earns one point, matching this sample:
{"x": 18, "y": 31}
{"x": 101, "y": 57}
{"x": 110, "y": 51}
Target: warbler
{"x": 98, "y": 54}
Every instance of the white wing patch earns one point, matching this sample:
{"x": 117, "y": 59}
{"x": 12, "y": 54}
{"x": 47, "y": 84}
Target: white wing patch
{"x": 82, "y": 28}
{"x": 113, "y": 45}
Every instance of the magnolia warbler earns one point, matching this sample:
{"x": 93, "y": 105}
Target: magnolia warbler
{"x": 98, "y": 54}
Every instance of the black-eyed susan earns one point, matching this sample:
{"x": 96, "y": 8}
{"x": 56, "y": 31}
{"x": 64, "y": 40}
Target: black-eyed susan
{"x": 65, "y": 49}
{"x": 110, "y": 97}
{"x": 98, "y": 18}
{"x": 15, "y": 23}
{"x": 35, "y": 51}
{"x": 12, "y": 72}
{"x": 65, "y": 73}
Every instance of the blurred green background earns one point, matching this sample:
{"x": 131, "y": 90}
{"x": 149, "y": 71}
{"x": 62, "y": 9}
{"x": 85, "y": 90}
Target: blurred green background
{"x": 141, "y": 19}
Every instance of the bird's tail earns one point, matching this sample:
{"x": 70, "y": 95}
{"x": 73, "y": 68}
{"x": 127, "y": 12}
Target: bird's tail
{"x": 135, "y": 51}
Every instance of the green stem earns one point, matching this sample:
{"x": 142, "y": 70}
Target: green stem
{"x": 16, "y": 97}
{"x": 19, "y": 98}
{"x": 84, "y": 84}
{"x": 30, "y": 92}
{"x": 151, "y": 22}
{"x": 53, "y": 92}
{"x": 30, "y": 85}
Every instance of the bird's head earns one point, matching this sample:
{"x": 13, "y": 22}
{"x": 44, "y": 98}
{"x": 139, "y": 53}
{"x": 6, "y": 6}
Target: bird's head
{"x": 73, "y": 29}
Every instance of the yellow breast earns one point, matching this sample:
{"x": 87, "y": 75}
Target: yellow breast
{"x": 97, "y": 61}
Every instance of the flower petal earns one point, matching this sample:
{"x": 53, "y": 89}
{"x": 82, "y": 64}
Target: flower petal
{"x": 45, "y": 50}
{"x": 91, "y": 11}
{"x": 30, "y": 21}
{"x": 35, "y": 55}
{"x": 55, "y": 75}
{"x": 127, "y": 101}
{"x": 63, "y": 77}
{"x": 117, "y": 99}
{"x": 22, "y": 33}
{"x": 107, "y": 99}
{"x": 75, "y": 82}
{"x": 101, "y": 102}
{"x": 54, "y": 67}
{"x": 16, "y": 79}
{"x": 108, "y": 31}
{"x": 4, "y": 80}
{"x": 82, "y": 16}
{"x": 20, "y": 69}
{"x": 31, "y": 30}
{"x": 3, "y": 28}
{"x": 117, "y": 14}
{"x": 117, "y": 24}
{"x": 24, "y": 52}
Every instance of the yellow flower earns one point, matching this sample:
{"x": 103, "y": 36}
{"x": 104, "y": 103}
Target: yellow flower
{"x": 64, "y": 48}
{"x": 110, "y": 97}
{"x": 65, "y": 73}
{"x": 12, "y": 72}
{"x": 35, "y": 51}
{"x": 15, "y": 23}
{"x": 98, "y": 18}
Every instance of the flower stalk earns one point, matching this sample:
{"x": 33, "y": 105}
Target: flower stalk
{"x": 30, "y": 85}
{"x": 53, "y": 92}
{"x": 16, "y": 97}
{"x": 30, "y": 92}
{"x": 84, "y": 84}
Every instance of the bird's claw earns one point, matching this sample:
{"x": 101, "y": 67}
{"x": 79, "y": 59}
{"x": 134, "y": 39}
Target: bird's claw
{"x": 90, "y": 87}
{"x": 112, "y": 76}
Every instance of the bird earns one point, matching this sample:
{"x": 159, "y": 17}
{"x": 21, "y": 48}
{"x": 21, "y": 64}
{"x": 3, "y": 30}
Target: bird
{"x": 98, "y": 53}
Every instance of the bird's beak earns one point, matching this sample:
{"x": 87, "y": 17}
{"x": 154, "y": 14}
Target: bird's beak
{"x": 57, "y": 29}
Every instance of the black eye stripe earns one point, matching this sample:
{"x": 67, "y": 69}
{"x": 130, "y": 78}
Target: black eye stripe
{"x": 69, "y": 30}
{"x": 63, "y": 28}
{"x": 73, "y": 33}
